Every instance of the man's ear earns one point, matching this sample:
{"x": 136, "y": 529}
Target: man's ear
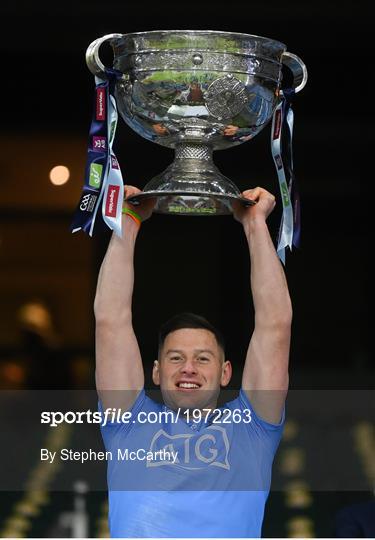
{"x": 156, "y": 373}
{"x": 226, "y": 373}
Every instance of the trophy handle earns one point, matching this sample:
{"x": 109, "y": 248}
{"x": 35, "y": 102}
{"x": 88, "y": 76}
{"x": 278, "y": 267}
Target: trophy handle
{"x": 298, "y": 68}
{"x": 93, "y": 61}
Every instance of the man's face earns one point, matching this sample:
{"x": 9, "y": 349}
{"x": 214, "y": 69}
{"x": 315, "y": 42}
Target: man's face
{"x": 191, "y": 369}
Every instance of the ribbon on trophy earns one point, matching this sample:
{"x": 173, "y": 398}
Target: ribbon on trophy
{"x": 290, "y": 226}
{"x": 103, "y": 186}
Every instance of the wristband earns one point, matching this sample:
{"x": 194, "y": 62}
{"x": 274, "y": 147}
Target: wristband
{"x": 133, "y": 215}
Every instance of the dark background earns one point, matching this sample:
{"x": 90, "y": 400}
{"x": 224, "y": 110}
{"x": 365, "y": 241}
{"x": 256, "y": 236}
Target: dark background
{"x": 196, "y": 264}
{"x": 201, "y": 264}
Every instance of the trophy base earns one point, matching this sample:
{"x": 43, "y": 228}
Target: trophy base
{"x": 192, "y": 185}
{"x": 187, "y": 203}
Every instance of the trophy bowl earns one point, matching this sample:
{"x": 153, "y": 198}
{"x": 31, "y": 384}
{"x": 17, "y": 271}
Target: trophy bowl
{"x": 196, "y": 91}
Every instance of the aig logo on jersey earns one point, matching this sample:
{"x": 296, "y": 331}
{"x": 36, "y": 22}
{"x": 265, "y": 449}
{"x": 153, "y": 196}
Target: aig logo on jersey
{"x": 87, "y": 203}
{"x": 194, "y": 451}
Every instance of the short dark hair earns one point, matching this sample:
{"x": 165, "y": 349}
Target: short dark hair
{"x": 189, "y": 320}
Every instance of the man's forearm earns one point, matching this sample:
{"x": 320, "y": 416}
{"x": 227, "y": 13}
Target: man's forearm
{"x": 113, "y": 299}
{"x": 268, "y": 283}
{"x": 266, "y": 365}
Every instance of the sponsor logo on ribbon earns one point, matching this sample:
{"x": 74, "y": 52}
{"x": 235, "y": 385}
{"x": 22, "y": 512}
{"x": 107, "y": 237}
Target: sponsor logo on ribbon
{"x": 279, "y": 162}
{"x": 87, "y": 203}
{"x": 111, "y": 201}
{"x": 277, "y": 124}
{"x": 99, "y": 144}
{"x": 285, "y": 193}
{"x": 100, "y": 104}
{"x": 114, "y": 163}
{"x": 112, "y": 130}
{"x": 95, "y": 175}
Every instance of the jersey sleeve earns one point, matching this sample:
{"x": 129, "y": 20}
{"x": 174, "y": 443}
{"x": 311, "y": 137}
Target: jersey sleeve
{"x": 113, "y": 429}
{"x": 258, "y": 428}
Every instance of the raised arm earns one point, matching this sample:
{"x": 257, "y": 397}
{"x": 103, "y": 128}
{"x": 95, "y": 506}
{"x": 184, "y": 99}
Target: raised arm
{"x": 119, "y": 370}
{"x": 265, "y": 376}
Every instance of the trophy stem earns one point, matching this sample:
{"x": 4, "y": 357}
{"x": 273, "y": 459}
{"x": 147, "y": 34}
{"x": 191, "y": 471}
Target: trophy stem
{"x": 193, "y": 164}
{"x": 192, "y": 184}
{"x": 189, "y": 150}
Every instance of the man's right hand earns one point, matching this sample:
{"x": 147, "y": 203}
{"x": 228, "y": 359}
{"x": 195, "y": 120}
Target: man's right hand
{"x": 146, "y": 206}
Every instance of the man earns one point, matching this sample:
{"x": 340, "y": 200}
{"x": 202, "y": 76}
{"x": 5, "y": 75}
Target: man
{"x": 218, "y": 484}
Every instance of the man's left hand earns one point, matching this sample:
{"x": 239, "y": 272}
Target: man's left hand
{"x": 264, "y": 204}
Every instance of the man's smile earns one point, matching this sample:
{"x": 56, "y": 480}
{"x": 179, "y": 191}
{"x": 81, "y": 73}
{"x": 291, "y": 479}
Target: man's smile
{"x": 188, "y": 386}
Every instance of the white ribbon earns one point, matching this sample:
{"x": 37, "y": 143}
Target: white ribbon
{"x": 286, "y": 227}
{"x": 114, "y": 185}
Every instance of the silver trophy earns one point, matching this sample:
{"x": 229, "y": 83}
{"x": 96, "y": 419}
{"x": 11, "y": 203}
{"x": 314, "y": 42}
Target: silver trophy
{"x": 196, "y": 91}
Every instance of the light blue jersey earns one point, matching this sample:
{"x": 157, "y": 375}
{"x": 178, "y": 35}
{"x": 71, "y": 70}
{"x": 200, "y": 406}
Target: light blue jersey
{"x": 188, "y": 479}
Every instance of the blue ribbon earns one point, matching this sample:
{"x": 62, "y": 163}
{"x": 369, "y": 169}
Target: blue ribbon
{"x": 100, "y": 162}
